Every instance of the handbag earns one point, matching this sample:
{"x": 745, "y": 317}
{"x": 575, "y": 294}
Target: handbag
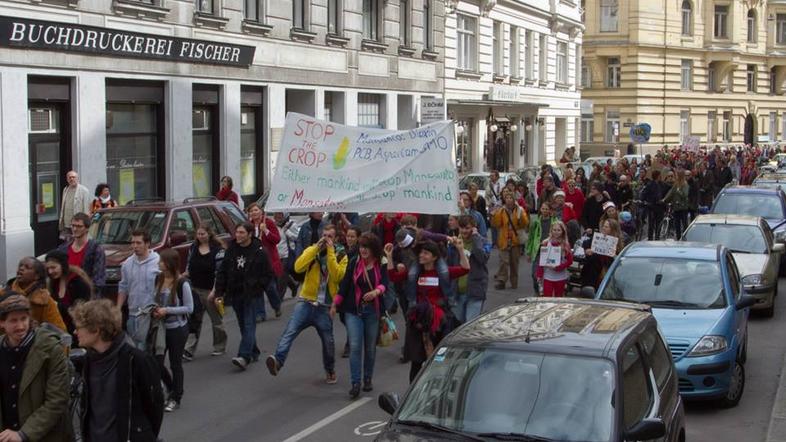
{"x": 388, "y": 333}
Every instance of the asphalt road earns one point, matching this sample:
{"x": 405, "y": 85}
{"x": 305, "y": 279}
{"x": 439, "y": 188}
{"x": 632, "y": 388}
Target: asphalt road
{"x": 222, "y": 404}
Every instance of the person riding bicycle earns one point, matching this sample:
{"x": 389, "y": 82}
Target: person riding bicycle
{"x": 651, "y": 195}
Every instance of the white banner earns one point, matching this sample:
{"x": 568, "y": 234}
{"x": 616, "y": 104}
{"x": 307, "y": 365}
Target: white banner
{"x": 604, "y": 244}
{"x": 324, "y": 166}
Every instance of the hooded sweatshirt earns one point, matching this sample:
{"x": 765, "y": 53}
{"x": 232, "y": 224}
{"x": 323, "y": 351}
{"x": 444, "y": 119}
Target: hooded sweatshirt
{"x": 138, "y": 280}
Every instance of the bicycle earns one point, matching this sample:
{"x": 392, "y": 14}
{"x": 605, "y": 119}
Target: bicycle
{"x": 666, "y": 228}
{"x": 637, "y": 209}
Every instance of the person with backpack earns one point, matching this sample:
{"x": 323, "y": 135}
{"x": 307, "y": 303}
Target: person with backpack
{"x": 175, "y": 301}
{"x": 508, "y": 220}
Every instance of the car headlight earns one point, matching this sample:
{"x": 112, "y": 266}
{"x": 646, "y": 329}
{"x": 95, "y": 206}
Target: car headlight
{"x": 113, "y": 273}
{"x": 780, "y": 236}
{"x": 709, "y": 345}
{"x": 755, "y": 279}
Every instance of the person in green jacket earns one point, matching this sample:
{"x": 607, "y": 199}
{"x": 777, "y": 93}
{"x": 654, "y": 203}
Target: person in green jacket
{"x": 539, "y": 228}
{"x": 678, "y": 197}
{"x": 34, "y": 378}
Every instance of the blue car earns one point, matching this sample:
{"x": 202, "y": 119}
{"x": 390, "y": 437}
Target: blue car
{"x": 696, "y": 295}
{"x": 766, "y": 202}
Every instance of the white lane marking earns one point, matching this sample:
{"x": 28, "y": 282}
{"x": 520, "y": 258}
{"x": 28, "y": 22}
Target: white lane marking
{"x": 328, "y": 420}
{"x": 370, "y": 428}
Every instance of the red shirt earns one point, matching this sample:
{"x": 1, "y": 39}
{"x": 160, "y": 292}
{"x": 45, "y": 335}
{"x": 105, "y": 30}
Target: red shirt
{"x": 270, "y": 244}
{"x": 76, "y": 258}
{"x": 428, "y": 288}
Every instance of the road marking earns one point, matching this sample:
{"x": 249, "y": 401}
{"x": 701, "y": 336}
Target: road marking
{"x": 328, "y": 420}
{"x": 370, "y": 428}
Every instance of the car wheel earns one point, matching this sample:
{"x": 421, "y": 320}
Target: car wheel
{"x": 736, "y": 386}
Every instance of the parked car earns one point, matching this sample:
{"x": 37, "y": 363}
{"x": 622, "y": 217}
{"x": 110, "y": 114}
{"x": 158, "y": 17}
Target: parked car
{"x": 769, "y": 204}
{"x": 545, "y": 369}
{"x": 171, "y": 225}
{"x": 638, "y": 157}
{"x": 696, "y": 294}
{"x": 531, "y": 174}
{"x": 771, "y": 180}
{"x": 482, "y": 179}
{"x": 755, "y": 251}
{"x": 600, "y": 160}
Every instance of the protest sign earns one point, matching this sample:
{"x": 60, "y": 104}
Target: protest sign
{"x": 690, "y": 143}
{"x": 550, "y": 256}
{"x": 604, "y": 244}
{"x": 325, "y": 166}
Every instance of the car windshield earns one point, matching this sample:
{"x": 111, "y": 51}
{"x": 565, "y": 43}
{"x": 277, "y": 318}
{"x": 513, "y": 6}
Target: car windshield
{"x": 549, "y": 396}
{"x": 738, "y": 238}
{"x": 769, "y": 184}
{"x": 115, "y": 226}
{"x": 667, "y": 283}
{"x": 480, "y": 180}
{"x": 765, "y": 206}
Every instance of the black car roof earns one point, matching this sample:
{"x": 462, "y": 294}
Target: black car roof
{"x": 554, "y": 325}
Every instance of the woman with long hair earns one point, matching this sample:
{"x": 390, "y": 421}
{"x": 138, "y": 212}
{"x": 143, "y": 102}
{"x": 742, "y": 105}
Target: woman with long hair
{"x": 267, "y": 231}
{"x": 175, "y": 301}
{"x": 68, "y": 284}
{"x": 678, "y": 197}
{"x": 204, "y": 257}
{"x": 595, "y": 265}
{"x": 360, "y": 298}
{"x": 30, "y": 281}
{"x": 553, "y": 277}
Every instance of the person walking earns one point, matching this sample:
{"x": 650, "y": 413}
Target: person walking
{"x": 266, "y": 230}
{"x": 287, "y": 231}
{"x": 595, "y": 265}
{"x": 137, "y": 286}
{"x": 678, "y": 197}
{"x": 68, "y": 285}
{"x": 103, "y": 199}
{"x": 121, "y": 398}
{"x": 470, "y": 289}
{"x": 508, "y": 220}
{"x": 242, "y": 278}
{"x": 175, "y": 302}
{"x": 34, "y": 377}
{"x": 360, "y": 299}
{"x": 310, "y": 232}
{"x": 539, "y": 230}
{"x": 352, "y": 249}
{"x": 554, "y": 276}
{"x": 30, "y": 281}
{"x": 324, "y": 265}
{"x": 86, "y": 253}
{"x": 76, "y": 198}
{"x": 593, "y": 206}
{"x": 204, "y": 259}
{"x": 652, "y": 194}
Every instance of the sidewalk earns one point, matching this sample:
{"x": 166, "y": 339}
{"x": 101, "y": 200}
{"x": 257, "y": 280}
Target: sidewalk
{"x": 777, "y": 427}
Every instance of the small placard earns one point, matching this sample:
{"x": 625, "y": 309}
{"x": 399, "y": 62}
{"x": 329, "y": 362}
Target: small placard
{"x": 604, "y": 244}
{"x": 550, "y": 256}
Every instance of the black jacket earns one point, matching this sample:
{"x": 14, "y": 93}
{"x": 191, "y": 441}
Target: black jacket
{"x": 247, "y": 276}
{"x": 139, "y": 398}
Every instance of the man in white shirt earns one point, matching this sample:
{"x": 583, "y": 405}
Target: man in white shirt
{"x": 76, "y": 199}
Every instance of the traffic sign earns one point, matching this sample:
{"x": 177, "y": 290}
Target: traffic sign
{"x": 640, "y": 133}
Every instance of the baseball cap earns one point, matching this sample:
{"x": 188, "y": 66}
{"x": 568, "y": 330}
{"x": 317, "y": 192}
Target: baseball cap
{"x": 608, "y": 204}
{"x": 13, "y": 302}
{"x": 559, "y": 193}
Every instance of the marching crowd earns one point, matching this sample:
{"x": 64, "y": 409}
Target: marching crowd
{"x": 431, "y": 268}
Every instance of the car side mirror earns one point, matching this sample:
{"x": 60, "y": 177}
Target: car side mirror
{"x": 587, "y": 292}
{"x": 177, "y": 237}
{"x": 389, "y": 402}
{"x": 745, "y": 301}
{"x": 779, "y": 247}
{"x": 647, "y": 429}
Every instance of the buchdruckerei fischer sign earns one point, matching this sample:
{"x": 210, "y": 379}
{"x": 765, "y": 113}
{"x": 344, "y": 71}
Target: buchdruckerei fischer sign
{"x": 54, "y": 36}
{"x": 331, "y": 167}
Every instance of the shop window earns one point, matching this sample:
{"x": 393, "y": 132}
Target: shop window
{"x": 132, "y": 144}
{"x": 370, "y": 110}
{"x": 252, "y": 151}
{"x": 334, "y": 106}
{"x": 205, "y": 140}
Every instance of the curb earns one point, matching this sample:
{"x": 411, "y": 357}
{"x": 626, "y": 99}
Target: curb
{"x": 776, "y": 431}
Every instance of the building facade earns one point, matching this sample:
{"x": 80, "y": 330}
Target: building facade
{"x": 511, "y": 80}
{"x": 160, "y": 98}
{"x": 709, "y": 69}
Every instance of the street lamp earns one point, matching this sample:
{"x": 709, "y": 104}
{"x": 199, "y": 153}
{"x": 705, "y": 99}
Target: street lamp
{"x": 514, "y": 128}
{"x": 493, "y": 128}
{"x": 459, "y": 129}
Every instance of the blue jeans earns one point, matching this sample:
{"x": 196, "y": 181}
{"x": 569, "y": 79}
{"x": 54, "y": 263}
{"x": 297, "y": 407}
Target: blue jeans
{"x": 467, "y": 309}
{"x": 304, "y": 316}
{"x": 272, "y": 295}
{"x": 245, "y": 309}
{"x": 362, "y": 330}
{"x": 131, "y": 329}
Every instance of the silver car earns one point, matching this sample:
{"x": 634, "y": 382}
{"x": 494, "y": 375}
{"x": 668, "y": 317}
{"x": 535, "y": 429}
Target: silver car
{"x": 754, "y": 249}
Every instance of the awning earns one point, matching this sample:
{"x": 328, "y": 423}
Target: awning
{"x": 496, "y": 103}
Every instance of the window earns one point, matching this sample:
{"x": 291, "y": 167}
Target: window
{"x": 562, "y": 62}
{"x": 370, "y": 110}
{"x": 205, "y": 6}
{"x": 686, "y": 75}
{"x": 577, "y": 65}
{"x": 750, "y": 77}
{"x": 497, "y": 46}
{"x": 720, "y": 30}
{"x": 730, "y": 82}
{"x": 780, "y": 36}
{"x": 586, "y": 75}
{"x": 773, "y": 126}
{"x": 783, "y": 126}
{"x": 371, "y": 20}
{"x": 684, "y": 125}
{"x": 711, "y": 84}
{"x": 712, "y": 129}
{"x": 182, "y": 222}
{"x": 614, "y": 72}
{"x": 687, "y": 18}
{"x": 251, "y": 148}
{"x": 253, "y": 10}
{"x": 657, "y": 354}
{"x": 609, "y": 10}
{"x": 636, "y": 389}
{"x": 751, "y": 26}
{"x": 299, "y": 14}
{"x": 542, "y": 58}
{"x": 464, "y": 146}
{"x": 403, "y": 24}
{"x": 727, "y": 126}
{"x": 515, "y": 70}
{"x": 529, "y": 54}
{"x": 334, "y": 17}
{"x": 587, "y": 128}
{"x": 203, "y": 141}
{"x": 466, "y": 28}
{"x": 207, "y": 216}
{"x": 612, "y": 127}
{"x": 428, "y": 25}
{"x": 773, "y": 81}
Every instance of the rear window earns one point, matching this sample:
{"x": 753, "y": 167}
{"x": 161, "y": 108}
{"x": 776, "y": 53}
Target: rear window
{"x": 234, "y": 213}
{"x": 115, "y": 226}
{"x": 765, "y": 206}
{"x": 738, "y": 238}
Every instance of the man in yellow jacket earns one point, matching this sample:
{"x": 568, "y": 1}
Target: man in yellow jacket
{"x": 324, "y": 264}
{"x": 508, "y": 220}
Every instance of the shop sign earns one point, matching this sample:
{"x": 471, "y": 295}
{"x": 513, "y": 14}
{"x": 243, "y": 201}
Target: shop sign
{"x": 501, "y": 92}
{"x": 54, "y": 36}
{"x": 432, "y": 109}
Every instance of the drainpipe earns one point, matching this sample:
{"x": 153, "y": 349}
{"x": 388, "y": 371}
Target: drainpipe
{"x": 665, "y": 51}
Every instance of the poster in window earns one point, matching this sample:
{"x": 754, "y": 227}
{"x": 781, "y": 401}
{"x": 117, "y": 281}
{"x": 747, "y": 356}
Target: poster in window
{"x": 201, "y": 186}
{"x": 247, "y": 180}
{"x": 127, "y": 191}
{"x": 48, "y": 195}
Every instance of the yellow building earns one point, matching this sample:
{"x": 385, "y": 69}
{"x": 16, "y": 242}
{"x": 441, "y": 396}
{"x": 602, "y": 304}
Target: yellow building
{"x": 712, "y": 69}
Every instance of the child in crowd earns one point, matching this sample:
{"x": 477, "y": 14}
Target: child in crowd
{"x": 553, "y": 275}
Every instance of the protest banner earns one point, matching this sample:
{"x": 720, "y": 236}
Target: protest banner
{"x": 325, "y": 166}
{"x": 690, "y": 143}
{"x": 604, "y": 244}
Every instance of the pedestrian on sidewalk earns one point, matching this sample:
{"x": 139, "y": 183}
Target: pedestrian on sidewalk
{"x": 176, "y": 303}
{"x": 360, "y": 298}
{"x": 204, "y": 258}
{"x": 324, "y": 265}
{"x": 266, "y": 231}
{"x": 76, "y": 198}
{"x": 554, "y": 275}
{"x": 508, "y": 219}
{"x": 138, "y": 285}
{"x": 242, "y": 278}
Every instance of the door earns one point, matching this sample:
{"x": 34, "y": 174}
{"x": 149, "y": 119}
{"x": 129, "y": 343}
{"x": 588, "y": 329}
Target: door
{"x": 49, "y": 161}
{"x": 750, "y": 129}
